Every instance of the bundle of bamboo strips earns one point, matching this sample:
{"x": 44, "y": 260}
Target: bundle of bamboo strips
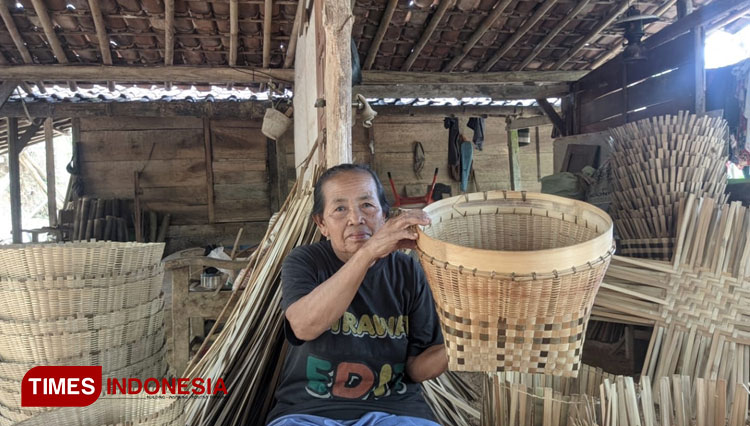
{"x": 657, "y": 163}
{"x": 612, "y": 401}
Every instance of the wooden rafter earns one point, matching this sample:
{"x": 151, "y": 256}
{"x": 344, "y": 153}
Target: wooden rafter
{"x": 101, "y": 31}
{"x": 291, "y": 48}
{"x": 702, "y": 16}
{"x": 604, "y": 23}
{"x": 553, "y": 33}
{"x": 10, "y": 24}
{"x": 604, "y": 58}
{"x": 550, "y": 112}
{"x": 234, "y": 25}
{"x": 31, "y": 131}
{"x": 497, "y": 10}
{"x": 543, "y": 9}
{"x": 267, "y": 15}
{"x": 168, "y": 32}
{"x": 49, "y": 31}
{"x": 425, "y": 37}
{"x": 385, "y": 21}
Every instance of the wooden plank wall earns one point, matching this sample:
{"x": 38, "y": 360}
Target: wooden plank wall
{"x": 664, "y": 83}
{"x": 171, "y": 154}
{"x": 395, "y": 137}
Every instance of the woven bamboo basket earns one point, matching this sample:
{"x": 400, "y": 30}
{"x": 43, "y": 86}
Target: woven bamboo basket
{"x": 56, "y": 298}
{"x": 77, "y": 259}
{"x": 514, "y": 276}
{"x": 130, "y": 410}
{"x": 26, "y": 347}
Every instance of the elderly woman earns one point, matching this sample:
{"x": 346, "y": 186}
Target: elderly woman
{"x": 359, "y": 314}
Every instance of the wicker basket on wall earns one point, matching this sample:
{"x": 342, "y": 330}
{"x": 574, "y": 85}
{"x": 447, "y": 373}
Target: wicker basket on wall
{"x": 514, "y": 276}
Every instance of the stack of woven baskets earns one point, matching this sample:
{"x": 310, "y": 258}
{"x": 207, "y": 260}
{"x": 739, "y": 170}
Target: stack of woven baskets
{"x": 657, "y": 163}
{"x": 87, "y": 303}
{"x": 514, "y": 276}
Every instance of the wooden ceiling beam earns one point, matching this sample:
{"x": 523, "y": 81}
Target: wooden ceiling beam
{"x": 168, "y": 32}
{"x": 291, "y": 48}
{"x": 267, "y": 15}
{"x": 239, "y": 75}
{"x": 607, "y": 56}
{"x": 527, "y": 25}
{"x": 385, "y": 21}
{"x": 234, "y": 16}
{"x": 553, "y": 33}
{"x": 607, "y": 21}
{"x": 497, "y": 10}
{"x": 427, "y": 33}
{"x": 493, "y": 91}
{"x": 101, "y": 31}
{"x": 702, "y": 16}
{"x": 10, "y": 24}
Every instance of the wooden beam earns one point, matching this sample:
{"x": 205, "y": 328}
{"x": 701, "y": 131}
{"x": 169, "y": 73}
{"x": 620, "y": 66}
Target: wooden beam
{"x": 550, "y": 112}
{"x": 532, "y": 112}
{"x": 101, "y": 31}
{"x": 7, "y": 89}
{"x": 222, "y": 109}
{"x": 267, "y": 15}
{"x": 507, "y": 92}
{"x": 385, "y": 21}
{"x": 497, "y": 10}
{"x": 49, "y": 150}
{"x": 277, "y": 180}
{"x": 291, "y": 48}
{"x": 553, "y": 33}
{"x": 529, "y": 122}
{"x": 427, "y": 33}
{"x": 520, "y": 32}
{"x": 337, "y": 24}
{"x": 240, "y": 75}
{"x": 618, "y": 47}
{"x": 29, "y": 133}
{"x": 234, "y": 26}
{"x": 604, "y": 23}
{"x": 10, "y": 24}
{"x": 15, "y": 179}
{"x": 699, "y": 66}
{"x": 514, "y": 168}
{"x": 49, "y": 31}
{"x": 168, "y": 32}
{"x": 700, "y": 17}
{"x": 209, "y": 162}
{"x": 684, "y": 8}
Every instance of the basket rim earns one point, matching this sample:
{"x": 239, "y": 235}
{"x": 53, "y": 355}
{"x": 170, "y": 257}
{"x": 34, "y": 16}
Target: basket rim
{"x": 519, "y": 262}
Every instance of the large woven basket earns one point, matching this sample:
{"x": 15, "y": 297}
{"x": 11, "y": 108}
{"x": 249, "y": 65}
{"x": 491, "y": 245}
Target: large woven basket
{"x": 514, "y": 276}
{"x": 77, "y": 259}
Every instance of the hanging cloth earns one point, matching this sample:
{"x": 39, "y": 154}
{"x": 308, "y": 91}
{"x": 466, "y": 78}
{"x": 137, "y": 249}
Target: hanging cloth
{"x": 454, "y": 148}
{"x": 477, "y": 124}
{"x": 467, "y": 154}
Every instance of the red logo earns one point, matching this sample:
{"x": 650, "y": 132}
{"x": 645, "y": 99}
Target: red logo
{"x": 58, "y": 386}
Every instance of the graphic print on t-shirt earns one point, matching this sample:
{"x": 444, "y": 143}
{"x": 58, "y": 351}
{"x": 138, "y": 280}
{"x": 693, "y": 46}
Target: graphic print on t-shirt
{"x": 352, "y": 380}
{"x": 393, "y": 327}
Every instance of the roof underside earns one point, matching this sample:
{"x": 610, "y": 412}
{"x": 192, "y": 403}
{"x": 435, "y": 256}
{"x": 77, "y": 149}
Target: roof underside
{"x": 135, "y": 33}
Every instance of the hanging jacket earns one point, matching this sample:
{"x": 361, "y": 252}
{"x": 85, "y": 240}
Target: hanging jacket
{"x": 454, "y": 147}
{"x": 477, "y": 124}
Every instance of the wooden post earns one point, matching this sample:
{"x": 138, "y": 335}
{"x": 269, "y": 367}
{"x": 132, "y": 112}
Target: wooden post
{"x": 699, "y": 38}
{"x": 337, "y": 23}
{"x": 15, "y": 179}
{"x": 208, "y": 149}
{"x": 514, "y": 169}
{"x": 538, "y": 155}
{"x": 277, "y": 182}
{"x": 6, "y": 89}
{"x": 49, "y": 149}
{"x": 138, "y": 222}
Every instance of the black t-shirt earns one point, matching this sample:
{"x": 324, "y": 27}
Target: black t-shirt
{"x": 358, "y": 365}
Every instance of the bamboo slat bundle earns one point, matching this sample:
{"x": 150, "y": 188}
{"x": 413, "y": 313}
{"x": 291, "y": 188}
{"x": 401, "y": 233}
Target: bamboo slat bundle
{"x": 656, "y": 163}
{"x": 607, "y": 400}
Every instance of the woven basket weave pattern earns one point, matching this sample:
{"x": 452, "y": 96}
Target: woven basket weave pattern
{"x": 495, "y": 318}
